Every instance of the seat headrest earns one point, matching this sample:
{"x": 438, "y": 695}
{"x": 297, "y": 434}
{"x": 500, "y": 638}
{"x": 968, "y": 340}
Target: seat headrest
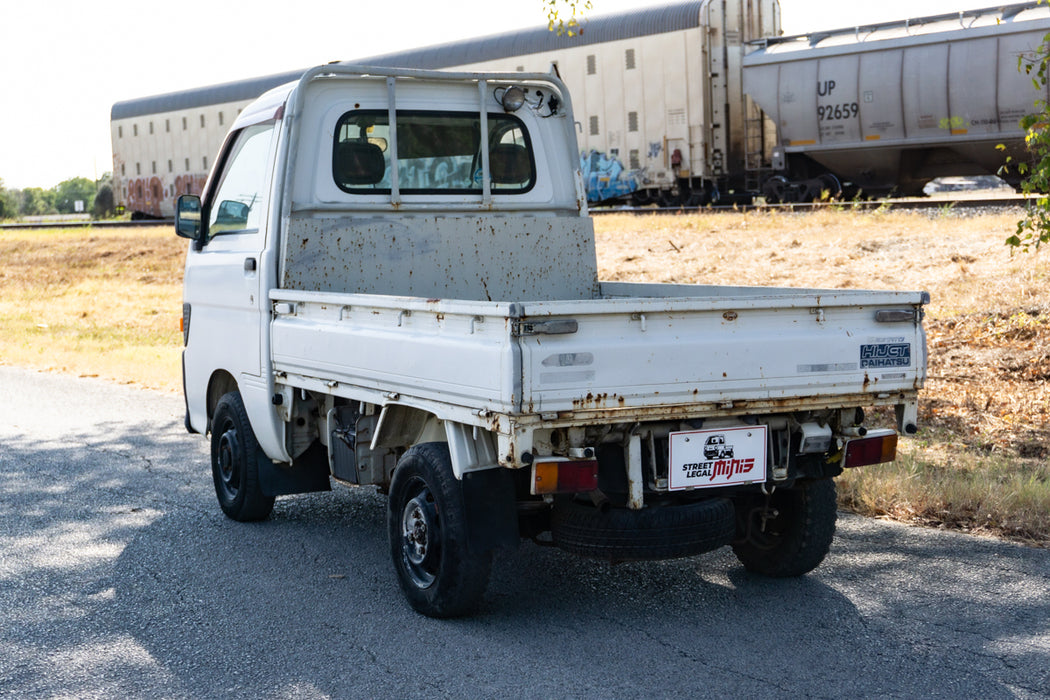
{"x": 509, "y": 164}
{"x": 358, "y": 163}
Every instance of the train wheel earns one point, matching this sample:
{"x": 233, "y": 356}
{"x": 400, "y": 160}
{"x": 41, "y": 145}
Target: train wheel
{"x": 642, "y": 198}
{"x": 669, "y": 199}
{"x": 776, "y": 189}
{"x": 830, "y": 187}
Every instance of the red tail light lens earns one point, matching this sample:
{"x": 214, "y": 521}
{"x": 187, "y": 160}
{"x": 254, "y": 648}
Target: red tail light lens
{"x": 564, "y": 476}
{"x": 876, "y": 447}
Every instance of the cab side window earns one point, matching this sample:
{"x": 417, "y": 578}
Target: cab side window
{"x": 239, "y": 203}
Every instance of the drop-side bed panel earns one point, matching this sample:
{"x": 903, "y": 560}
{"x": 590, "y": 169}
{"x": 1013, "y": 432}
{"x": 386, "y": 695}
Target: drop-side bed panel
{"x": 629, "y": 350}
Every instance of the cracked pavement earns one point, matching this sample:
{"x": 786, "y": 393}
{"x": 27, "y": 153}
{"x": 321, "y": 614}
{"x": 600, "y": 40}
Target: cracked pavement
{"x": 119, "y": 576}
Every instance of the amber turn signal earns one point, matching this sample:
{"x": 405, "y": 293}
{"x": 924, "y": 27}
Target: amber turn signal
{"x": 564, "y": 476}
{"x": 876, "y": 447}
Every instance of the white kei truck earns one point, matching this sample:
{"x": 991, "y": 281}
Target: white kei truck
{"x": 392, "y": 281}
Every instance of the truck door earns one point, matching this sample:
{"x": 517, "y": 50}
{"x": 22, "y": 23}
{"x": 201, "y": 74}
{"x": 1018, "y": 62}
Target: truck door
{"x": 228, "y": 304}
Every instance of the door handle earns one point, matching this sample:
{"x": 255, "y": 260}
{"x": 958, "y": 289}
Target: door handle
{"x": 249, "y": 264}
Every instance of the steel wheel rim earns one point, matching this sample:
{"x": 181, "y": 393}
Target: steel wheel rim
{"x": 421, "y": 537}
{"x": 776, "y": 526}
{"x": 229, "y": 449}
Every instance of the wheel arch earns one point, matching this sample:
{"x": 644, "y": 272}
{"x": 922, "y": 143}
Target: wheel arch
{"x": 471, "y": 448}
{"x": 220, "y": 383}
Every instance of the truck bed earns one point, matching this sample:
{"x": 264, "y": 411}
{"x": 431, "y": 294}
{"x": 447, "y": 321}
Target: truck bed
{"x": 639, "y": 350}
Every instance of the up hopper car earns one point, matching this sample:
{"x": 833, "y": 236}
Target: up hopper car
{"x": 889, "y": 107}
{"x": 664, "y": 111}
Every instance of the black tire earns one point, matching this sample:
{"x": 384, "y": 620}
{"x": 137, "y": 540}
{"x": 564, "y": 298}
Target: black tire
{"x": 429, "y": 538}
{"x": 619, "y": 534}
{"x": 235, "y": 456}
{"x": 797, "y": 539}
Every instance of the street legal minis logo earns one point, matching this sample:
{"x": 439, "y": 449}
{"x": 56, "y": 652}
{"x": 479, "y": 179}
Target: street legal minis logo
{"x": 699, "y": 459}
{"x": 885, "y": 355}
{"x": 724, "y": 468}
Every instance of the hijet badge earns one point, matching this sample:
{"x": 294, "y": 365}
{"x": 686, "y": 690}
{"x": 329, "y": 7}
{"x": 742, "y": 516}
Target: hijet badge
{"x": 720, "y": 457}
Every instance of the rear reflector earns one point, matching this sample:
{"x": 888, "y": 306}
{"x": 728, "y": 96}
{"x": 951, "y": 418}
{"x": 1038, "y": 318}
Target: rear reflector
{"x": 876, "y": 447}
{"x": 564, "y": 476}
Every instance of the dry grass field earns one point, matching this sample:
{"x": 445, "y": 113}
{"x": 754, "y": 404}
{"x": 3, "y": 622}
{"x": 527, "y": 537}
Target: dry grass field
{"x": 982, "y": 460}
{"x": 107, "y": 303}
{"x": 93, "y": 302}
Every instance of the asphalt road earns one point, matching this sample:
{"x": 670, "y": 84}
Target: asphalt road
{"x": 120, "y": 577}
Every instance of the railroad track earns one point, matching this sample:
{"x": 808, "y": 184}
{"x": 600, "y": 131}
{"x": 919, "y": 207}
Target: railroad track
{"x": 887, "y": 204}
{"x": 92, "y": 224}
{"x": 866, "y": 205}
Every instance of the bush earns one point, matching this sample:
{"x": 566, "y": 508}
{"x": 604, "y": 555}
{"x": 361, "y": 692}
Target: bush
{"x": 105, "y": 204}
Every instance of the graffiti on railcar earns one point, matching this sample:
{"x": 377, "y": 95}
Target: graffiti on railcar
{"x": 605, "y": 177}
{"x": 152, "y": 196}
{"x": 190, "y": 184}
{"x": 145, "y": 195}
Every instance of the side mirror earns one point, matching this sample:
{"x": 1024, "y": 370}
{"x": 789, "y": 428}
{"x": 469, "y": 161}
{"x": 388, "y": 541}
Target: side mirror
{"x": 188, "y": 217}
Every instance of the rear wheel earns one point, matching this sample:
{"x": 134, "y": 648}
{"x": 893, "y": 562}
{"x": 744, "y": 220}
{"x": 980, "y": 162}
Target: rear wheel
{"x": 790, "y": 533}
{"x": 235, "y": 456}
{"x": 429, "y": 539}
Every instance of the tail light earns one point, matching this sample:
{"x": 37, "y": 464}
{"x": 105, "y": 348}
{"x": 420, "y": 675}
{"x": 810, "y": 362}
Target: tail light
{"x": 558, "y": 475}
{"x": 876, "y": 447}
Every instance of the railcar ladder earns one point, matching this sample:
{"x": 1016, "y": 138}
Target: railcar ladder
{"x": 756, "y": 165}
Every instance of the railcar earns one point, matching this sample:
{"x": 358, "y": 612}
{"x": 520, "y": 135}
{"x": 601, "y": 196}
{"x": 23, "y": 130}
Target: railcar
{"x": 886, "y": 108}
{"x": 695, "y": 102}
{"x": 658, "y": 93}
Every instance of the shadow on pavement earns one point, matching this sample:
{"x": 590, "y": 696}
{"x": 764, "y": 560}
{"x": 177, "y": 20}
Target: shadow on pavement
{"x": 121, "y": 576}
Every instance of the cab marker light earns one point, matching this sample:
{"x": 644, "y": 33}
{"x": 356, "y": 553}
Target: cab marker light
{"x": 184, "y": 324}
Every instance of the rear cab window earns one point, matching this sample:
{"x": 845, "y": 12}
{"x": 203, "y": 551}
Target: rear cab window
{"x": 437, "y": 153}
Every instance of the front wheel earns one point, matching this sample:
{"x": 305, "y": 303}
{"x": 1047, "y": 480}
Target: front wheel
{"x": 789, "y": 532}
{"x": 429, "y": 539}
{"x": 235, "y": 456}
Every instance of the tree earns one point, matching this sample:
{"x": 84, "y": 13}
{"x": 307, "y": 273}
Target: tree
{"x": 1034, "y": 229}
{"x": 8, "y": 208}
{"x": 11, "y": 201}
{"x": 68, "y": 192}
{"x": 556, "y": 21}
{"x": 37, "y": 201}
{"x": 105, "y": 203}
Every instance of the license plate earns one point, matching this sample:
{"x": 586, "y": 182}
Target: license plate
{"x": 703, "y": 459}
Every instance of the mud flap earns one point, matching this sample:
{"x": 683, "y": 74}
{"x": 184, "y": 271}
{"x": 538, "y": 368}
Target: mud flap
{"x": 310, "y": 473}
{"x": 492, "y": 516}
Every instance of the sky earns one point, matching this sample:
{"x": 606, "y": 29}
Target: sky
{"x": 64, "y": 63}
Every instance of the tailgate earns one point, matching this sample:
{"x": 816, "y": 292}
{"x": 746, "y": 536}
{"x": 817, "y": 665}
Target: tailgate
{"x": 751, "y": 345}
